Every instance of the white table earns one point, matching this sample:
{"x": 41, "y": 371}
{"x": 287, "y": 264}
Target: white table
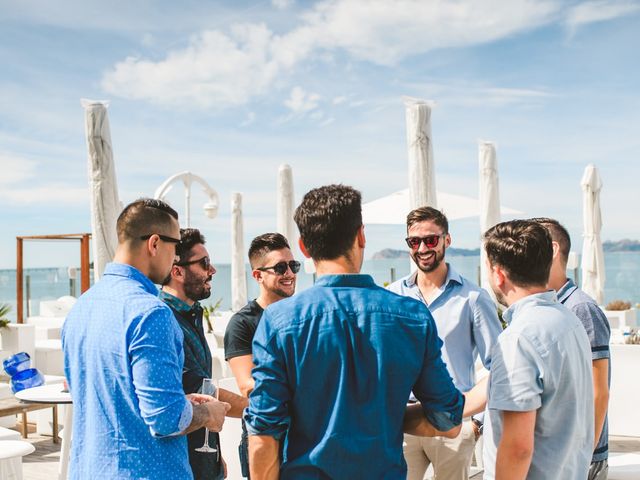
{"x": 11, "y": 453}
{"x": 54, "y": 393}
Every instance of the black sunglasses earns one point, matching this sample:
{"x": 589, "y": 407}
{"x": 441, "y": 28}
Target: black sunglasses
{"x": 430, "y": 241}
{"x": 164, "y": 238}
{"x": 205, "y": 263}
{"x": 281, "y": 267}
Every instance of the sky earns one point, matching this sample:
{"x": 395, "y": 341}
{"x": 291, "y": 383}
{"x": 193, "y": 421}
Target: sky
{"x": 232, "y": 90}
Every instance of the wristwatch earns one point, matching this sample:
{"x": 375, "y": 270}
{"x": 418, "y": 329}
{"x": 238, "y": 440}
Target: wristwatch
{"x": 477, "y": 427}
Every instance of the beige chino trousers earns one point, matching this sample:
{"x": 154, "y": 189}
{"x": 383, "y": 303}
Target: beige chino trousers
{"x": 450, "y": 456}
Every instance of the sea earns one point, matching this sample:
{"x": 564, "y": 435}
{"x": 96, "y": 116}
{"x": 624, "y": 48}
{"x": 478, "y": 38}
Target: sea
{"x": 622, "y": 280}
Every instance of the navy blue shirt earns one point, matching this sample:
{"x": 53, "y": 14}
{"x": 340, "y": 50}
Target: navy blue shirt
{"x": 334, "y": 366}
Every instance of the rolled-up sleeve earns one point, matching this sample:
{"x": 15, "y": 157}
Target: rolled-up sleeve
{"x": 515, "y": 382}
{"x": 155, "y": 349}
{"x": 268, "y": 411}
{"x": 442, "y": 403}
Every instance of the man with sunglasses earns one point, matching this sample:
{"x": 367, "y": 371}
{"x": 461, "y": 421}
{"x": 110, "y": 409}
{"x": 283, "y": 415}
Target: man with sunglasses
{"x": 187, "y": 284}
{"x": 274, "y": 268}
{"x": 335, "y": 364}
{"x": 468, "y": 325}
{"x": 123, "y": 357}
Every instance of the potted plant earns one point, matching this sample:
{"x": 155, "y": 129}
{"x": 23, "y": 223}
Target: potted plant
{"x": 620, "y": 314}
{"x": 209, "y": 311}
{"x": 5, "y": 308}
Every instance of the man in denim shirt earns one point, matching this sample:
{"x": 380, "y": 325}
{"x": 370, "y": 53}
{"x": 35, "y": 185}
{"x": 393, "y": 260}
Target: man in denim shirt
{"x": 334, "y": 364}
{"x": 123, "y": 359}
{"x": 467, "y": 322}
{"x": 188, "y": 283}
{"x": 597, "y": 326}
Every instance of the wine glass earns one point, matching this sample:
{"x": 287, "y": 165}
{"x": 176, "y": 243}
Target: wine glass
{"x": 209, "y": 387}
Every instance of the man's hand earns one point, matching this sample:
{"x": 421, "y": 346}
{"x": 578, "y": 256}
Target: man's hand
{"x": 198, "y": 398}
{"x": 217, "y": 411}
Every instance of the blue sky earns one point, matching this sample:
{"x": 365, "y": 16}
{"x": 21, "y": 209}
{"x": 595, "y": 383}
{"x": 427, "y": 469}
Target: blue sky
{"x": 232, "y": 90}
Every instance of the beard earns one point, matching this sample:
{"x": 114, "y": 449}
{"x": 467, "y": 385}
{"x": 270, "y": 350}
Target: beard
{"x": 196, "y": 286}
{"x": 437, "y": 260}
{"x": 281, "y": 293}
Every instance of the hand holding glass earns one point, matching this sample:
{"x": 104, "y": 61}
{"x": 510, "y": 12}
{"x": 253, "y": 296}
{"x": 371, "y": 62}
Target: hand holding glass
{"x": 209, "y": 387}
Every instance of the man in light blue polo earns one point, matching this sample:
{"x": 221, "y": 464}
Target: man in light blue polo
{"x": 539, "y": 421}
{"x": 467, "y": 323}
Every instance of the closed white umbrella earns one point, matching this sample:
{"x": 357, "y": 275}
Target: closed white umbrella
{"x": 238, "y": 274}
{"x": 105, "y": 204}
{"x": 422, "y": 181}
{"x": 286, "y": 205}
{"x": 489, "y": 200}
{"x": 593, "y": 276}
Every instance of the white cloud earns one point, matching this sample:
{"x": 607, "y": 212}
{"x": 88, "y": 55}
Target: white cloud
{"x": 301, "y": 102}
{"x": 598, "y": 11}
{"x": 251, "y": 118}
{"x": 51, "y": 195}
{"x": 218, "y": 70}
{"x": 339, "y": 100}
{"x": 15, "y": 169}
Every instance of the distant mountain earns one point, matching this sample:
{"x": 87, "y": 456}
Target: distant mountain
{"x": 390, "y": 253}
{"x": 625, "y": 245}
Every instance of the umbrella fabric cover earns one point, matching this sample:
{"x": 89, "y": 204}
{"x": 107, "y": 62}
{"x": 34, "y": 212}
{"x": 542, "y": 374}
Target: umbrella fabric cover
{"x": 489, "y": 201}
{"x": 593, "y": 277}
{"x": 422, "y": 181}
{"x": 238, "y": 275}
{"x": 285, "y": 206}
{"x": 105, "y": 204}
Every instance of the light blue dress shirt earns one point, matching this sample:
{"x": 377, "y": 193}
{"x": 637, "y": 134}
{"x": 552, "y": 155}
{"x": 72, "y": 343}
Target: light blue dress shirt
{"x": 123, "y": 358}
{"x": 542, "y": 362}
{"x": 334, "y": 366}
{"x": 467, "y": 322}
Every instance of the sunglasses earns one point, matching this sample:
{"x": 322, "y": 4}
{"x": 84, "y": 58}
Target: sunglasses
{"x": 430, "y": 241}
{"x": 281, "y": 267}
{"x": 164, "y": 238}
{"x": 204, "y": 262}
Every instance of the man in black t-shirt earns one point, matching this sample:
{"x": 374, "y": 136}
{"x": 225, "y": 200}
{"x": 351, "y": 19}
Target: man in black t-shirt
{"x": 275, "y": 271}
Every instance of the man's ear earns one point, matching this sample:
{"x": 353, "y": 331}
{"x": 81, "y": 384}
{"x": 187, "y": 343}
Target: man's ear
{"x": 151, "y": 245}
{"x": 361, "y": 237}
{"x": 556, "y": 249}
{"x": 447, "y": 240}
{"x": 256, "y": 274}
{"x": 303, "y": 249}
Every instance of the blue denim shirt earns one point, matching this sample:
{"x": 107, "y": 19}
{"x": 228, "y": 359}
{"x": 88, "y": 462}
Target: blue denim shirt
{"x": 123, "y": 358}
{"x": 334, "y": 366}
{"x": 467, "y": 322}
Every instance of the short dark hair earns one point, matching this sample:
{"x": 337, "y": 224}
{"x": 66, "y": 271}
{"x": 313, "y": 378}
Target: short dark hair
{"x": 523, "y": 249}
{"x": 188, "y": 238}
{"x": 143, "y": 217}
{"x": 558, "y": 233}
{"x": 423, "y": 214}
{"x": 329, "y": 218}
{"x": 265, "y": 243}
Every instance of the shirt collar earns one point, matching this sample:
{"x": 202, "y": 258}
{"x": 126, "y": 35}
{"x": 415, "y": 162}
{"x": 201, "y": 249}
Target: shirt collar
{"x": 126, "y": 270}
{"x": 566, "y": 290}
{"x": 537, "y": 298}
{"x": 346, "y": 280}
{"x": 176, "y": 303}
{"x": 452, "y": 276}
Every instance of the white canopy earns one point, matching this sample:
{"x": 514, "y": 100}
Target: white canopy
{"x": 593, "y": 276}
{"x": 105, "y": 204}
{"x": 489, "y": 200}
{"x": 238, "y": 274}
{"x": 393, "y": 209}
{"x": 422, "y": 180}
{"x": 286, "y": 206}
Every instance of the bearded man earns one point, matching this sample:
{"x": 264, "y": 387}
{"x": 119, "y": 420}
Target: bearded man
{"x": 187, "y": 284}
{"x": 467, "y": 323}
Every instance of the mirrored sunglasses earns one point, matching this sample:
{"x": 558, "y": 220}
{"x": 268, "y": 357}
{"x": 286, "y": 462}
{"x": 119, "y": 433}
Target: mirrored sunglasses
{"x": 281, "y": 267}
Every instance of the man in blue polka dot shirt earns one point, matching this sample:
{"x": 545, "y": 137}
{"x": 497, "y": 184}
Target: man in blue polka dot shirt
{"x": 123, "y": 359}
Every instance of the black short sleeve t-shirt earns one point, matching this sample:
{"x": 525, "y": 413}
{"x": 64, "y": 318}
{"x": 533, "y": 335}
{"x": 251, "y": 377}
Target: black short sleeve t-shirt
{"x": 241, "y": 329}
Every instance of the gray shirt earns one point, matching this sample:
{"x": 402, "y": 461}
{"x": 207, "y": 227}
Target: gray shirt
{"x": 599, "y": 331}
{"x": 542, "y": 362}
